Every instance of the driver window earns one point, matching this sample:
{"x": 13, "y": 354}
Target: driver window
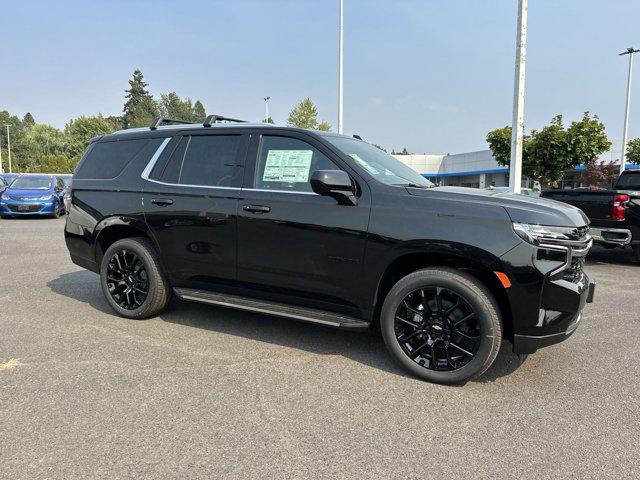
{"x": 287, "y": 163}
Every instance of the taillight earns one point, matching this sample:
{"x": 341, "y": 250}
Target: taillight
{"x": 618, "y": 212}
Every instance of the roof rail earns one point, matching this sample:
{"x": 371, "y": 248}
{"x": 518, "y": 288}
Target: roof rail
{"x": 211, "y": 119}
{"x": 157, "y": 121}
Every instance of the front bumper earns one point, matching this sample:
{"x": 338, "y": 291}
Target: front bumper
{"x": 14, "y": 207}
{"x": 526, "y": 344}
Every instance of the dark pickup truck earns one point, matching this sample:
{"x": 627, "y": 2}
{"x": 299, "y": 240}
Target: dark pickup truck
{"x": 614, "y": 214}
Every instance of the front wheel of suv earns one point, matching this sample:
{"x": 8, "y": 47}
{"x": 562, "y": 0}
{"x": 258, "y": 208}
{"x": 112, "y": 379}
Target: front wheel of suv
{"x": 132, "y": 280}
{"x": 442, "y": 325}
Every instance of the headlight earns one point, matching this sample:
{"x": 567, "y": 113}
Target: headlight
{"x": 46, "y": 197}
{"x": 537, "y": 234}
{"x": 5, "y": 197}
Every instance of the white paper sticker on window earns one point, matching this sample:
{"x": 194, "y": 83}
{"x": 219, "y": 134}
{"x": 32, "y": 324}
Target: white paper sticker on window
{"x": 291, "y": 166}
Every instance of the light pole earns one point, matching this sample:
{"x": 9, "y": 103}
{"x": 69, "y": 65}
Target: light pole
{"x": 266, "y": 109}
{"x": 340, "y": 75}
{"x": 9, "y": 147}
{"x": 630, "y": 51}
{"x": 517, "y": 124}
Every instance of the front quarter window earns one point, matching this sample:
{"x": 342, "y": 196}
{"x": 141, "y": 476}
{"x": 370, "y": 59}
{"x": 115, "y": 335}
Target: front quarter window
{"x": 379, "y": 164}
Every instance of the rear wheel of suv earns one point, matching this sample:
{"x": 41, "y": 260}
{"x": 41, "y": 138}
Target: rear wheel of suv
{"x": 132, "y": 280}
{"x": 442, "y": 325}
{"x": 636, "y": 252}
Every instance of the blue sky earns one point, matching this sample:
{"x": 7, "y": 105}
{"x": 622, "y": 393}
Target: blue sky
{"x": 431, "y": 75}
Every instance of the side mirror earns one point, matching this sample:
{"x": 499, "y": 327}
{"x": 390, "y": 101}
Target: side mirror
{"x": 336, "y": 184}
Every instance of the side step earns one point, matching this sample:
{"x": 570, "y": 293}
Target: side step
{"x": 303, "y": 314}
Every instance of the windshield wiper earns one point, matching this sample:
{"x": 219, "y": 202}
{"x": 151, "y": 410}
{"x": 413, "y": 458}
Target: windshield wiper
{"x": 412, "y": 185}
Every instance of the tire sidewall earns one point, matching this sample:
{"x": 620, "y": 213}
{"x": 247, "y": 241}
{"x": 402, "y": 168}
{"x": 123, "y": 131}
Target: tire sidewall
{"x": 450, "y": 279}
{"x": 144, "y": 254}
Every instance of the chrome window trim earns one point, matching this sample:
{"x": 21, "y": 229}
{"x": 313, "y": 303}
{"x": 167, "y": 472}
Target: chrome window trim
{"x": 278, "y": 191}
{"x": 152, "y": 162}
{"x": 189, "y": 185}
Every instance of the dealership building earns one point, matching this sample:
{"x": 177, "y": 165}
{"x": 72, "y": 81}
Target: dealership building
{"x": 480, "y": 170}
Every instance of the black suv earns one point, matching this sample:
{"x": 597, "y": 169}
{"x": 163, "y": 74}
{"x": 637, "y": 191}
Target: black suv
{"x": 327, "y": 229}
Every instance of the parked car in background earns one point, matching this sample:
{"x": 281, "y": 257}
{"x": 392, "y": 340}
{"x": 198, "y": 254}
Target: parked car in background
{"x": 326, "y": 229}
{"x": 33, "y": 195}
{"x": 614, "y": 214}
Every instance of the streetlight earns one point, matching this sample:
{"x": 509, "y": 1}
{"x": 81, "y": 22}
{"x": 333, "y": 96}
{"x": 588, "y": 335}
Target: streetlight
{"x": 9, "y": 147}
{"x": 340, "y": 61}
{"x": 266, "y": 109}
{"x": 630, "y": 51}
{"x": 517, "y": 124}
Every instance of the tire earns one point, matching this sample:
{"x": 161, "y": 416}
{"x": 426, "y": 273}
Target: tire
{"x": 432, "y": 335}
{"x": 636, "y": 252}
{"x": 138, "y": 257}
{"x": 56, "y": 211}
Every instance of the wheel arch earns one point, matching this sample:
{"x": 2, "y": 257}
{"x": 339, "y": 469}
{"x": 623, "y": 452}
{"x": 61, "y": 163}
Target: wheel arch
{"x": 478, "y": 265}
{"x": 112, "y": 229}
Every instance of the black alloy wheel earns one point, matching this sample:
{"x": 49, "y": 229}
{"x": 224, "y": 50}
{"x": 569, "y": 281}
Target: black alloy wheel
{"x": 437, "y": 328}
{"x": 442, "y": 325}
{"x": 127, "y": 279}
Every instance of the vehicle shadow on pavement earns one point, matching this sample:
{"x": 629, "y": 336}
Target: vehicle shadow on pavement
{"x": 363, "y": 347}
{"x": 616, "y": 256}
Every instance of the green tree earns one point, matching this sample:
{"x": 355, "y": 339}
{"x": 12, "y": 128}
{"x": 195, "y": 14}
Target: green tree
{"x": 268, "y": 120}
{"x": 57, "y": 163}
{"x": 40, "y": 141}
{"x": 548, "y": 153}
{"x": 140, "y": 108}
{"x": 324, "y": 126}
{"x": 79, "y": 131}
{"x": 199, "y": 112}
{"x": 304, "y": 115}
{"x": 27, "y": 122}
{"x": 633, "y": 151}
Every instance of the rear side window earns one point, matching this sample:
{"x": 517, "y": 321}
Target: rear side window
{"x": 204, "y": 160}
{"x": 106, "y": 160}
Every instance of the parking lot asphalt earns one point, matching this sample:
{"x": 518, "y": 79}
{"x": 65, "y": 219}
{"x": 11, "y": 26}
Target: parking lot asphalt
{"x": 205, "y": 392}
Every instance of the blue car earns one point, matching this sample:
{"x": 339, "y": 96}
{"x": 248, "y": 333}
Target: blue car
{"x": 33, "y": 195}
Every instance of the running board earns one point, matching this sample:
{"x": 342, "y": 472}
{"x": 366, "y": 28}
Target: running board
{"x": 303, "y": 314}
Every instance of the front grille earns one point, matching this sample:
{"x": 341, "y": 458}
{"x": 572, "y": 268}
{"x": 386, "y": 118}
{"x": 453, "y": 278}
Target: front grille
{"x": 579, "y": 233}
{"x": 573, "y": 273}
{"x": 25, "y": 207}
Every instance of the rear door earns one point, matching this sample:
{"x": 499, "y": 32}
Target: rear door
{"x": 190, "y": 201}
{"x": 291, "y": 241}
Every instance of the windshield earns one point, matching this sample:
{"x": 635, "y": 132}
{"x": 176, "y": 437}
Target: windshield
{"x": 31, "y": 183}
{"x": 380, "y": 165}
{"x": 629, "y": 181}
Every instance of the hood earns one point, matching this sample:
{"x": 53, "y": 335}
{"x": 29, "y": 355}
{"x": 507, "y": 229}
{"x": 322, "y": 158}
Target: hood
{"x": 28, "y": 193}
{"x": 521, "y": 208}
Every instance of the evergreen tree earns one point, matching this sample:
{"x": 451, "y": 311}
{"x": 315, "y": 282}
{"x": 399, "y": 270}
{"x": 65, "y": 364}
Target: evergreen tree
{"x": 304, "y": 115}
{"x": 140, "y": 105}
{"x": 199, "y": 112}
{"x": 27, "y": 122}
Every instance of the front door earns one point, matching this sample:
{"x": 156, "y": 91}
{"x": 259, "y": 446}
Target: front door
{"x": 190, "y": 202}
{"x": 291, "y": 241}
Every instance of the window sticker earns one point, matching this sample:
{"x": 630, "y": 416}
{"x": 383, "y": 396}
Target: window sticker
{"x": 291, "y": 166}
{"x": 363, "y": 164}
